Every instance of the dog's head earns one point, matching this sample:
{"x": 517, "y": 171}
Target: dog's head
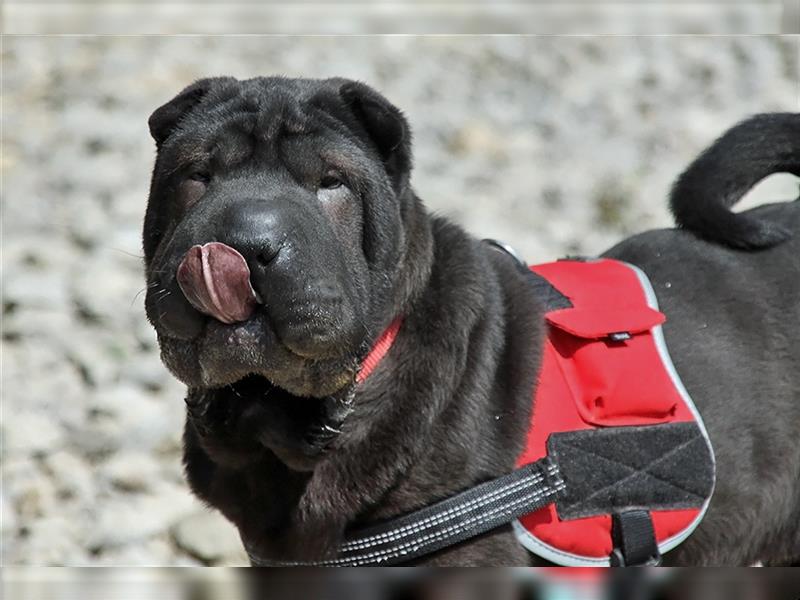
{"x": 275, "y": 232}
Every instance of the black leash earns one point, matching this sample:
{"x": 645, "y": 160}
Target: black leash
{"x": 456, "y": 519}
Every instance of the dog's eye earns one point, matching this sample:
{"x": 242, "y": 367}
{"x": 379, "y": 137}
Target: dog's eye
{"x": 330, "y": 182}
{"x": 193, "y": 188}
{"x": 201, "y": 177}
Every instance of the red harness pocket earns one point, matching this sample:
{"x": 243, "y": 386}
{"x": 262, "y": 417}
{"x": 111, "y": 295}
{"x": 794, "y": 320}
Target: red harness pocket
{"x": 594, "y": 324}
{"x": 611, "y": 386}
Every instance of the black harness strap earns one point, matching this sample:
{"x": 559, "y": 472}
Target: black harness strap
{"x": 634, "y": 539}
{"x": 466, "y": 515}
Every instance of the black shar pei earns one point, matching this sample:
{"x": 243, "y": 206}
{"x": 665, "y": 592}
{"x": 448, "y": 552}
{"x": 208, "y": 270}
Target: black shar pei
{"x": 282, "y": 237}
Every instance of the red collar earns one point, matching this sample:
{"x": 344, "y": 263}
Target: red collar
{"x": 379, "y": 350}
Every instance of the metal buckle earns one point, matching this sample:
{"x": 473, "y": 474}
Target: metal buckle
{"x": 619, "y": 336}
{"x": 618, "y": 560}
{"x": 503, "y": 247}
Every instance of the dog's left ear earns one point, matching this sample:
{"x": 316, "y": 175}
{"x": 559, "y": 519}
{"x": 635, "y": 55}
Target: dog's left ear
{"x": 385, "y": 125}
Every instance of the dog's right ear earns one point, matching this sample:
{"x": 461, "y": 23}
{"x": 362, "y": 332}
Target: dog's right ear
{"x": 165, "y": 118}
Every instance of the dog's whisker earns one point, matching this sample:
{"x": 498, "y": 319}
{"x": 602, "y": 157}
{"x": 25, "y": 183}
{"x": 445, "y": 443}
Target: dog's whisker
{"x": 125, "y": 252}
{"x": 139, "y": 293}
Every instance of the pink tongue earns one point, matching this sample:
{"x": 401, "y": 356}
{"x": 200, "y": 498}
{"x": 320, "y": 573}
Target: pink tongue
{"x": 215, "y": 279}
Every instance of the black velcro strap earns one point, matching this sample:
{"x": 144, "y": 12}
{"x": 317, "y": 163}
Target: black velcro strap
{"x": 451, "y": 521}
{"x": 609, "y": 470}
{"x": 634, "y": 539}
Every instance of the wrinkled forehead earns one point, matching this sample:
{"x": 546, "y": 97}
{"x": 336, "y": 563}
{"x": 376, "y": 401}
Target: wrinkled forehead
{"x": 258, "y": 117}
{"x": 238, "y": 112}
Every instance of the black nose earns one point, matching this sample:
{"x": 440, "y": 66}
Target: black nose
{"x": 257, "y": 230}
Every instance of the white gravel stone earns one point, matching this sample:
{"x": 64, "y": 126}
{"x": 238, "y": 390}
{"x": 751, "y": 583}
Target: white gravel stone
{"x": 31, "y": 433}
{"x": 51, "y": 541}
{"x": 125, "y": 418}
{"x": 211, "y": 538}
{"x": 102, "y": 288}
{"x": 34, "y": 323}
{"x": 71, "y": 475}
{"x": 36, "y": 288}
{"x": 148, "y": 553}
{"x": 132, "y": 471}
{"x": 130, "y": 518}
{"x": 30, "y": 491}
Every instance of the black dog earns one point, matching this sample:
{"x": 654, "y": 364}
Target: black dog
{"x": 319, "y": 242}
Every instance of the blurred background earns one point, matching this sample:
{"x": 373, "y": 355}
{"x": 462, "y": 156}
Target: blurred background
{"x": 26, "y": 583}
{"x": 404, "y": 16}
{"x": 558, "y": 145}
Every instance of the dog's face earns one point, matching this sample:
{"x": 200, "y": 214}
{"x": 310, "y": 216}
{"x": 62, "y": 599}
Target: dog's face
{"x": 274, "y": 231}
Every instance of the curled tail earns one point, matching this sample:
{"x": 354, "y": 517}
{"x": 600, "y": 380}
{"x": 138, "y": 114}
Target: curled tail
{"x": 703, "y": 195}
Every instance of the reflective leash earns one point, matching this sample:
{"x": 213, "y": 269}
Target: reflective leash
{"x": 466, "y": 515}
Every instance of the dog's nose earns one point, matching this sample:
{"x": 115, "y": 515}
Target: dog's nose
{"x": 257, "y": 228}
{"x": 215, "y": 279}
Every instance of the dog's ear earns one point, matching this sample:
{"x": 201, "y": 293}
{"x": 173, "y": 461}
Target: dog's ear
{"x": 165, "y": 118}
{"x": 385, "y": 125}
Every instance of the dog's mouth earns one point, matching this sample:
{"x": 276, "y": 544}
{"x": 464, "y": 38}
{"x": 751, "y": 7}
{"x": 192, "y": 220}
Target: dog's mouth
{"x": 259, "y": 388}
{"x": 248, "y": 357}
{"x": 331, "y": 409}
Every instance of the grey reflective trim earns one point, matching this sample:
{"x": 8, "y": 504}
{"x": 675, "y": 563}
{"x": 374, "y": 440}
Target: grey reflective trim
{"x": 554, "y": 555}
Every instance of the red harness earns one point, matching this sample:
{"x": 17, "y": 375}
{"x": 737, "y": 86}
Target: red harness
{"x": 605, "y": 364}
{"x": 607, "y": 390}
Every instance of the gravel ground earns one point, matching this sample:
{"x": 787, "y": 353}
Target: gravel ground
{"x": 557, "y": 145}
